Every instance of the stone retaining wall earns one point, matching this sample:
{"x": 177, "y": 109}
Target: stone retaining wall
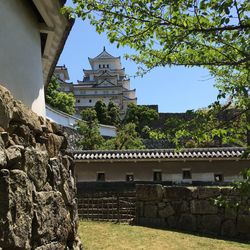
{"x": 38, "y": 206}
{"x": 192, "y": 209}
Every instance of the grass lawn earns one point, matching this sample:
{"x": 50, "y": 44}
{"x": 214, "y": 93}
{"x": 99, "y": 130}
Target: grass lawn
{"x": 101, "y": 235}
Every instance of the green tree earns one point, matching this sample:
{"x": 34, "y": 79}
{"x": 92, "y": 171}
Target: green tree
{"x": 114, "y": 114}
{"x": 184, "y": 32}
{"x": 127, "y": 138}
{"x": 109, "y": 115}
{"x": 102, "y": 112}
{"x": 60, "y": 100}
{"x": 141, "y": 116}
{"x": 207, "y": 127}
{"x": 208, "y": 33}
{"x": 89, "y": 129}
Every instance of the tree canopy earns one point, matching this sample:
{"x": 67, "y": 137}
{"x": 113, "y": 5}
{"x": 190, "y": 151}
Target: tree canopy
{"x": 127, "y": 137}
{"x": 109, "y": 115}
{"x": 89, "y": 129}
{"x": 208, "y": 33}
{"x": 183, "y": 32}
{"x": 60, "y": 100}
{"x": 141, "y": 116}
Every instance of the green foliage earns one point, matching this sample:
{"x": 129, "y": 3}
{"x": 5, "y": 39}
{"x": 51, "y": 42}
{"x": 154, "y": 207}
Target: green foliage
{"x": 212, "y": 34}
{"x": 89, "y": 115}
{"x": 114, "y": 114}
{"x": 109, "y": 115}
{"x": 60, "y": 100}
{"x": 141, "y": 116}
{"x": 215, "y": 125}
{"x": 190, "y": 33}
{"x": 89, "y": 129}
{"x": 127, "y": 138}
{"x": 102, "y": 112}
{"x": 242, "y": 188}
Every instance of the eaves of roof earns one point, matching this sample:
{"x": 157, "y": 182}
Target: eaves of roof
{"x": 234, "y": 153}
{"x": 60, "y": 48}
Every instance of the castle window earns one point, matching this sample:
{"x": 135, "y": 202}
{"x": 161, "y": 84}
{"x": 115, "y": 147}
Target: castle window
{"x": 78, "y": 101}
{"x": 157, "y": 175}
{"x": 218, "y": 177}
{"x": 129, "y": 177}
{"x": 107, "y": 65}
{"x": 103, "y": 65}
{"x": 186, "y": 174}
{"x": 100, "y": 177}
{"x": 90, "y": 100}
{"x": 99, "y": 66}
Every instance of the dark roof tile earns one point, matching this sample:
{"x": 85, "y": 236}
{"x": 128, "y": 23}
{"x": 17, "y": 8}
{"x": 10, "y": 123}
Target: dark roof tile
{"x": 152, "y": 154}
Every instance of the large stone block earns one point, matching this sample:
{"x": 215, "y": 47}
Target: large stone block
{"x": 51, "y": 219}
{"x": 23, "y": 115}
{"x": 243, "y": 224}
{"x": 36, "y": 163}
{"x": 177, "y": 193}
{"x": 3, "y": 158}
{"x": 166, "y": 211}
{"x": 54, "y": 144}
{"x": 14, "y": 155}
{"x": 147, "y": 192}
{"x": 230, "y": 213}
{"x": 207, "y": 192}
{"x": 4, "y": 200}
{"x": 51, "y": 246}
{"x": 16, "y": 207}
{"x": 54, "y": 173}
{"x": 203, "y": 207}
{"x": 228, "y": 228}
{"x": 6, "y": 107}
{"x": 187, "y": 222}
{"x": 211, "y": 224}
{"x": 150, "y": 211}
{"x": 171, "y": 221}
{"x": 180, "y": 206}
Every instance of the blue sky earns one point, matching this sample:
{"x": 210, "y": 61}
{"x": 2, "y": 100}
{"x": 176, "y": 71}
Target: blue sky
{"x": 174, "y": 89}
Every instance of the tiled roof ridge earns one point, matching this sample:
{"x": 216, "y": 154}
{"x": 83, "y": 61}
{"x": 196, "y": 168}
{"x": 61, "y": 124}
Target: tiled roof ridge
{"x": 188, "y": 153}
{"x": 162, "y": 150}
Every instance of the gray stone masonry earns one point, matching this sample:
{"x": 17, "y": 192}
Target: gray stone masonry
{"x": 37, "y": 187}
{"x": 192, "y": 209}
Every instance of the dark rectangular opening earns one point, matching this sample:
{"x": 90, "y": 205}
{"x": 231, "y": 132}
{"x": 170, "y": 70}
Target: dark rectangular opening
{"x": 43, "y": 38}
{"x": 100, "y": 177}
{"x": 218, "y": 177}
{"x": 186, "y": 174}
{"x": 157, "y": 176}
{"x": 129, "y": 177}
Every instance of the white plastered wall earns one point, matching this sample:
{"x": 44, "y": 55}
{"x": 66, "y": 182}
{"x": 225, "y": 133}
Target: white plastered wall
{"x": 20, "y": 54}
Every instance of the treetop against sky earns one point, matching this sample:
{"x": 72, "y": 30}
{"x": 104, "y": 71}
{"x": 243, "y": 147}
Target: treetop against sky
{"x": 166, "y": 33}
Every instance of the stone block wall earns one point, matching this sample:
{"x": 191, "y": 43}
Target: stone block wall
{"x": 38, "y": 207}
{"x": 192, "y": 209}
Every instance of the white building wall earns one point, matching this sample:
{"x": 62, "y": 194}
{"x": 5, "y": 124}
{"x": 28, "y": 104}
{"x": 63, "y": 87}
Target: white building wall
{"x": 20, "y": 54}
{"x": 69, "y": 121}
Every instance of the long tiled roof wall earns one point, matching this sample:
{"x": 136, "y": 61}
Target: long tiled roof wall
{"x": 152, "y": 154}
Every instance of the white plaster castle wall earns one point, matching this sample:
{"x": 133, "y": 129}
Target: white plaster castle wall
{"x": 69, "y": 121}
{"x": 171, "y": 170}
{"x": 102, "y": 61}
{"x": 20, "y": 54}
